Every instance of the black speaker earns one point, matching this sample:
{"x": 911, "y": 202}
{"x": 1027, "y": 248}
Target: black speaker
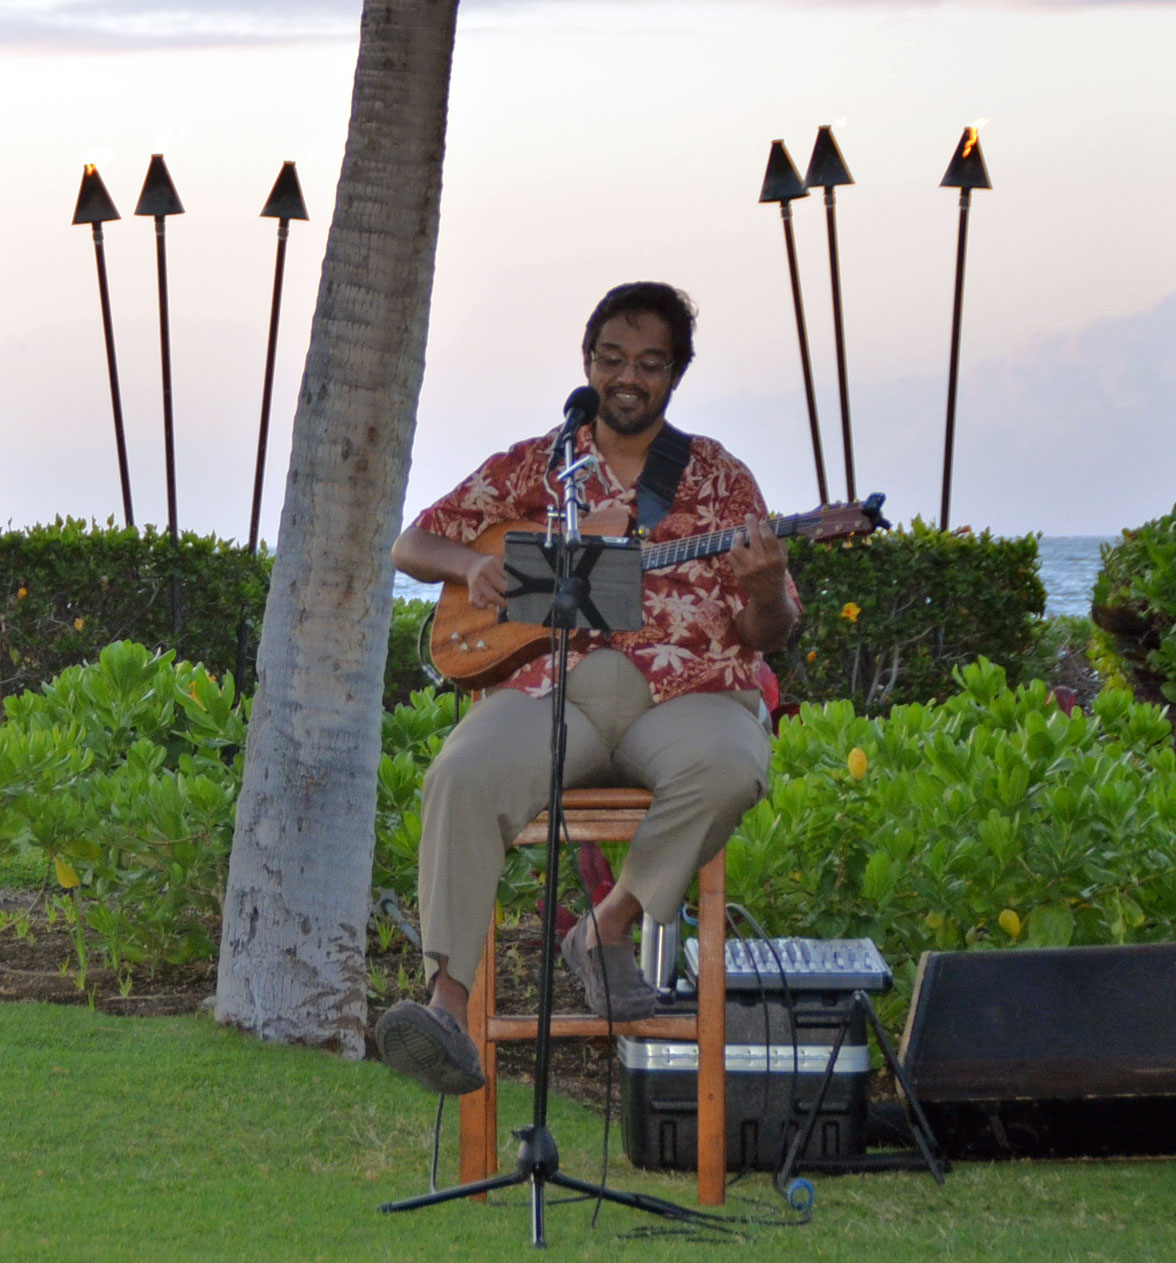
{"x": 1058, "y": 1052}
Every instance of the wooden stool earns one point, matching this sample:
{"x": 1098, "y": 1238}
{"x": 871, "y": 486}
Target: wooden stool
{"x": 612, "y": 815}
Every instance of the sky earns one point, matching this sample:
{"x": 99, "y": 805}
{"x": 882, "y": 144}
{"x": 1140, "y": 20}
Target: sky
{"x": 597, "y": 141}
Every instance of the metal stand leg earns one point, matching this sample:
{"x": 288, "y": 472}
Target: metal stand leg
{"x": 927, "y": 1154}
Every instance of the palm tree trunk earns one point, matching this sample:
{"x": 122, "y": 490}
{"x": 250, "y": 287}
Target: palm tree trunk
{"x": 292, "y": 963}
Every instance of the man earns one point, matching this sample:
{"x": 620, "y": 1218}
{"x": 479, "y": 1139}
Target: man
{"x": 672, "y": 707}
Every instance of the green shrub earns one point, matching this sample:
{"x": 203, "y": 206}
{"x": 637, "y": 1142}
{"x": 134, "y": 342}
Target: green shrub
{"x": 403, "y": 674}
{"x": 69, "y": 589}
{"x": 990, "y": 820}
{"x": 124, "y": 774}
{"x": 889, "y": 617}
{"x": 411, "y": 738}
{"x": 1135, "y": 608}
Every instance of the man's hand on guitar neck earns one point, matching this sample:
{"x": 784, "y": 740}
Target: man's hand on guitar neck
{"x": 431, "y": 558}
{"x": 760, "y": 563}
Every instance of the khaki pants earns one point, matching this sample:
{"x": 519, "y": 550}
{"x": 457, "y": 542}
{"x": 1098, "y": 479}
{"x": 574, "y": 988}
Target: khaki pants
{"x": 704, "y": 756}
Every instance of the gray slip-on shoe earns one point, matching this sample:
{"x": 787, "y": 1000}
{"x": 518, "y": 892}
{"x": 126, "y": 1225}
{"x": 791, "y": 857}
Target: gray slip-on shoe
{"x": 427, "y": 1045}
{"x": 630, "y": 996}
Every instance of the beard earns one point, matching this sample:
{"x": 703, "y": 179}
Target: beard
{"x": 636, "y": 420}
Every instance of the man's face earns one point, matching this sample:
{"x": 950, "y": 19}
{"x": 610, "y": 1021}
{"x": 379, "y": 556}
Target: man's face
{"x": 631, "y": 369}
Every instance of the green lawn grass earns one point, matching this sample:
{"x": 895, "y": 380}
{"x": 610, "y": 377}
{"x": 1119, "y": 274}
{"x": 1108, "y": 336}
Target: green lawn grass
{"x": 173, "y": 1139}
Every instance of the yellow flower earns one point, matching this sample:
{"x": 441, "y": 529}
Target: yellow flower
{"x": 67, "y": 877}
{"x": 1010, "y": 923}
{"x": 79, "y": 623}
{"x": 21, "y": 593}
{"x": 850, "y": 611}
{"x": 857, "y": 763}
{"x": 811, "y": 656}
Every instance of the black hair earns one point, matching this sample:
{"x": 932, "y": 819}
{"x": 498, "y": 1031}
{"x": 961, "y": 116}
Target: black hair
{"x": 672, "y": 305}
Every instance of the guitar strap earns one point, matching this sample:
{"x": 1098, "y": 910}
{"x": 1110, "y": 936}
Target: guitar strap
{"x": 669, "y": 454}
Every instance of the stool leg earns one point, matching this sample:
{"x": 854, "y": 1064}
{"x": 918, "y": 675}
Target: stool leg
{"x": 712, "y": 1032}
{"x": 479, "y": 1110}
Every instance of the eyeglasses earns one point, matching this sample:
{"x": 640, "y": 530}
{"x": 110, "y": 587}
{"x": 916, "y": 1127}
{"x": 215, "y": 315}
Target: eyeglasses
{"x": 610, "y": 363}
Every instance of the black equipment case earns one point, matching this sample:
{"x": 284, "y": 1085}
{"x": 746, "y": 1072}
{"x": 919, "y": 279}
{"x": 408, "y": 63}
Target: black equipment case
{"x": 775, "y": 1064}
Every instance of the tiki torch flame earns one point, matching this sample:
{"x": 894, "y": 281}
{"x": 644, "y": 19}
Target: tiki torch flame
{"x": 90, "y": 168}
{"x": 970, "y": 143}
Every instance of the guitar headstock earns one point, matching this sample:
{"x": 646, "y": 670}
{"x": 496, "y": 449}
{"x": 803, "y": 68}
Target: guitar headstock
{"x": 873, "y": 510}
{"x": 836, "y": 521}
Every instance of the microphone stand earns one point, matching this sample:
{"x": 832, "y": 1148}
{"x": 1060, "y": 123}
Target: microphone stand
{"x": 538, "y": 1156}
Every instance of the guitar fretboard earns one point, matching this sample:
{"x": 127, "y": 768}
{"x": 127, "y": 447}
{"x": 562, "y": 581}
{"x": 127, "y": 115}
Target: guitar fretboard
{"x": 675, "y": 551}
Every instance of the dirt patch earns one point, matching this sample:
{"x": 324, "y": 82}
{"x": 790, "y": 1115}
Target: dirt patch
{"x": 39, "y": 964}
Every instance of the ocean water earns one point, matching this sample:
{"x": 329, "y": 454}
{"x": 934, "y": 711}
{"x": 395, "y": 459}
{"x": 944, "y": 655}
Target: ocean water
{"x": 1069, "y": 567}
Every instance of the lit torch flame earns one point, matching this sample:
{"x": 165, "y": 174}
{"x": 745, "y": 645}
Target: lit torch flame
{"x": 970, "y": 143}
{"x": 91, "y": 169}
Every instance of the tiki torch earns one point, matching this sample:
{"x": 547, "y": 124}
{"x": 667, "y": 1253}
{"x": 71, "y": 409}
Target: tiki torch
{"x": 160, "y": 199}
{"x": 827, "y": 169}
{"x": 965, "y": 172}
{"x": 782, "y": 183}
{"x": 96, "y": 208}
{"x": 285, "y": 203}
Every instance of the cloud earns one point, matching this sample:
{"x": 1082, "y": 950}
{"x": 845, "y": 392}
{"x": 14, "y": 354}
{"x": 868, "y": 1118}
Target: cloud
{"x": 109, "y": 25}
{"x": 120, "y": 24}
{"x": 106, "y": 25}
{"x": 1072, "y": 434}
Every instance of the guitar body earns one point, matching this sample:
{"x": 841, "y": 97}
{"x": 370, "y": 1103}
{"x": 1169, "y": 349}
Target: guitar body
{"x": 470, "y": 646}
{"x": 473, "y": 648}
{"x": 477, "y": 648}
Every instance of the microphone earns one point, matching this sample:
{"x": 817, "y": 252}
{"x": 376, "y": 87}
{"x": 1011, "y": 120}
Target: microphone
{"x": 582, "y": 406}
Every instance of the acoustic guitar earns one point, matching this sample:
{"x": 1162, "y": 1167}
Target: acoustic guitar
{"x": 477, "y": 648}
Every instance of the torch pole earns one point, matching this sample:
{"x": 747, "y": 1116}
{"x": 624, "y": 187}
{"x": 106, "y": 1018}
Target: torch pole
{"x": 268, "y": 384}
{"x": 954, "y": 367}
{"x": 159, "y": 199}
{"x": 169, "y": 440}
{"x": 839, "y": 335}
{"x": 120, "y": 439}
{"x": 284, "y": 203}
{"x": 965, "y": 172}
{"x": 267, "y": 392}
{"x": 805, "y": 362}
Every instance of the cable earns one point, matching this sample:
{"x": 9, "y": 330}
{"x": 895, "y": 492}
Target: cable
{"x": 793, "y": 1031}
{"x": 799, "y": 1193}
{"x": 608, "y": 1073}
{"x": 436, "y": 1144}
{"x": 558, "y": 740}
{"x": 426, "y": 658}
{"x": 763, "y": 996}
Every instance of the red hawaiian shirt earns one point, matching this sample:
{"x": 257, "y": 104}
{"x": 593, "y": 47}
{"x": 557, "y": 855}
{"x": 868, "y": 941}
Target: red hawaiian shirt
{"x": 688, "y": 643}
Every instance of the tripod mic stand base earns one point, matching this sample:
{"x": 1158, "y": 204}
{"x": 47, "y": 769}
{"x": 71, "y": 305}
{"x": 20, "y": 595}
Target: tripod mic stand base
{"x": 538, "y": 1164}
{"x": 453, "y": 1194}
{"x": 538, "y": 1157}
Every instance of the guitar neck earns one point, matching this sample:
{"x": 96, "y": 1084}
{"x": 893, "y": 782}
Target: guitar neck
{"x": 675, "y": 551}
